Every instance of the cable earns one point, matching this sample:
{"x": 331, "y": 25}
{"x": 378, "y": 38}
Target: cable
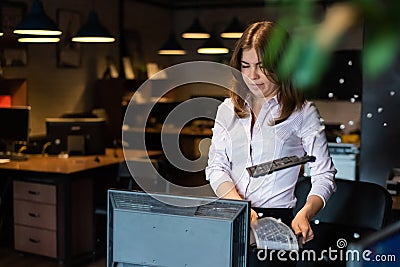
{"x": 45, "y": 146}
{"x": 22, "y": 148}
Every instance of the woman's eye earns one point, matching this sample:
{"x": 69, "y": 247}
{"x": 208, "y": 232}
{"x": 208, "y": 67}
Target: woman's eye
{"x": 245, "y": 66}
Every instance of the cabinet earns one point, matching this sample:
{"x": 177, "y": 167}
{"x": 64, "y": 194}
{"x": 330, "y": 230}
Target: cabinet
{"x": 54, "y": 214}
{"x": 16, "y": 90}
{"x": 112, "y": 96}
{"x": 53, "y": 202}
{"x": 35, "y": 218}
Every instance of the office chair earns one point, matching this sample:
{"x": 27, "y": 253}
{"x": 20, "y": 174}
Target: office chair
{"x": 124, "y": 179}
{"x": 144, "y": 174}
{"x": 143, "y": 170}
{"x": 355, "y": 210}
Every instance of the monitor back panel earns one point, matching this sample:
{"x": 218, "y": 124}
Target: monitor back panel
{"x": 143, "y": 231}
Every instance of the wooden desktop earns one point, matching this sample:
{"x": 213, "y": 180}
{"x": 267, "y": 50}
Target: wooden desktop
{"x": 53, "y": 201}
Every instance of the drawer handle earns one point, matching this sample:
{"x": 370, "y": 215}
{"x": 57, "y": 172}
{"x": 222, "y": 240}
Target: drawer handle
{"x": 34, "y": 215}
{"x": 36, "y": 241}
{"x": 33, "y": 192}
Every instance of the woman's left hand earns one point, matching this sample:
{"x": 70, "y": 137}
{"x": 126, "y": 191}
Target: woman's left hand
{"x": 301, "y": 227}
{"x": 301, "y": 222}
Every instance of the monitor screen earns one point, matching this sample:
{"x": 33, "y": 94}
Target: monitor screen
{"x": 380, "y": 248}
{"x": 76, "y": 136}
{"x": 14, "y": 126}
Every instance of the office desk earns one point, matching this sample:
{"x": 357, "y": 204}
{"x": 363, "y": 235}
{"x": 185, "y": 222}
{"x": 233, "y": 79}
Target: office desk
{"x": 53, "y": 202}
{"x": 189, "y": 138}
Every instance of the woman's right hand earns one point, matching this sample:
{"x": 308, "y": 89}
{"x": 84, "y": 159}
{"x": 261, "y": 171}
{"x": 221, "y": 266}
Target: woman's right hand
{"x": 228, "y": 190}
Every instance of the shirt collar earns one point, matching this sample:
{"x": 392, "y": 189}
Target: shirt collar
{"x": 272, "y": 101}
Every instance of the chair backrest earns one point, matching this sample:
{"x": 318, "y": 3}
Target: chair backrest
{"x": 355, "y": 203}
{"x": 144, "y": 174}
{"x": 139, "y": 167}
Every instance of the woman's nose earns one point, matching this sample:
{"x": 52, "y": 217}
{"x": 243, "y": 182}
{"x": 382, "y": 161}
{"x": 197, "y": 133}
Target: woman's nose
{"x": 253, "y": 73}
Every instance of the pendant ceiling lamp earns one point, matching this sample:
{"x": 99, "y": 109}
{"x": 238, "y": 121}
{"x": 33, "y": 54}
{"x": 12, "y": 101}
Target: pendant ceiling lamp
{"x": 196, "y": 31}
{"x": 212, "y": 46}
{"x": 38, "y": 39}
{"x": 234, "y": 30}
{"x": 93, "y": 31}
{"x": 171, "y": 47}
{"x": 37, "y": 22}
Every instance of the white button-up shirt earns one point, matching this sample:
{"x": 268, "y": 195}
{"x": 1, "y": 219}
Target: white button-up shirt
{"x": 236, "y": 146}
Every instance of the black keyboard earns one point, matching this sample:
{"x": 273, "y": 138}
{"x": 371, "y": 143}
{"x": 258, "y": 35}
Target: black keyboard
{"x": 277, "y": 164}
{"x": 13, "y": 156}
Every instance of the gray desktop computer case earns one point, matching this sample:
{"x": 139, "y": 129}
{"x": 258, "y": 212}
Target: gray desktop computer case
{"x": 143, "y": 231}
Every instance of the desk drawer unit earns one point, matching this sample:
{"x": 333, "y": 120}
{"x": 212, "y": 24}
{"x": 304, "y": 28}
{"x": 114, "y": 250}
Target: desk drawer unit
{"x": 35, "y": 240}
{"x": 35, "y": 192}
{"x": 35, "y": 214}
{"x": 35, "y": 218}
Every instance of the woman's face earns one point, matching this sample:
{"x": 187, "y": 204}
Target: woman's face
{"x": 254, "y": 76}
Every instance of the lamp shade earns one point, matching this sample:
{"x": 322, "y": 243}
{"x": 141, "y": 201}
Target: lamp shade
{"x": 171, "y": 47}
{"x": 38, "y": 39}
{"x": 196, "y": 31}
{"x": 234, "y": 30}
{"x": 37, "y": 22}
{"x": 93, "y": 31}
{"x": 212, "y": 46}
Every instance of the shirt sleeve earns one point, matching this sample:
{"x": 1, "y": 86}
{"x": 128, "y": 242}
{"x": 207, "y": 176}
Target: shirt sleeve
{"x": 322, "y": 171}
{"x": 218, "y": 169}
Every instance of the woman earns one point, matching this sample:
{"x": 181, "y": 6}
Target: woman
{"x": 265, "y": 118}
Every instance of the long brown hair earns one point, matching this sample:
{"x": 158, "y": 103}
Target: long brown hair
{"x": 269, "y": 40}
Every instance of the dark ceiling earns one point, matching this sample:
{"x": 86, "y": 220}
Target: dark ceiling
{"x": 182, "y": 4}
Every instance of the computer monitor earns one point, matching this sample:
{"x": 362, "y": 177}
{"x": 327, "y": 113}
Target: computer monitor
{"x": 14, "y": 126}
{"x": 168, "y": 230}
{"x": 76, "y": 136}
{"x": 381, "y": 248}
